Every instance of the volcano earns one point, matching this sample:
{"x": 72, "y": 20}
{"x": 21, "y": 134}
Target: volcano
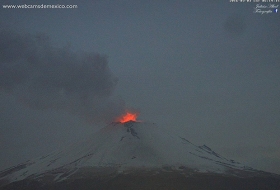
{"x": 135, "y": 155}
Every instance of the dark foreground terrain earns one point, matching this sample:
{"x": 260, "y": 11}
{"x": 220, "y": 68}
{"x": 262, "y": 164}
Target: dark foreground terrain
{"x": 153, "y": 180}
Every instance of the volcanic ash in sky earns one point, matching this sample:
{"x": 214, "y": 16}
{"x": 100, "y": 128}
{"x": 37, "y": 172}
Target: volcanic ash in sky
{"x": 45, "y": 77}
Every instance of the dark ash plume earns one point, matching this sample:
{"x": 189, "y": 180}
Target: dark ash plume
{"x": 45, "y": 77}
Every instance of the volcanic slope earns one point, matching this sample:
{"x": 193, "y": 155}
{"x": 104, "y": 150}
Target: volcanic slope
{"x": 124, "y": 148}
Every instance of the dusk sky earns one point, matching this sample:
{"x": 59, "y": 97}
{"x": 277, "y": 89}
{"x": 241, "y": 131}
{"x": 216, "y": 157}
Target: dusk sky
{"x": 207, "y": 70}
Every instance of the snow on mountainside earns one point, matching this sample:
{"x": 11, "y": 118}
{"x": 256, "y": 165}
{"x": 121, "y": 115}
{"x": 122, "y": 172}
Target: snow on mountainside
{"x": 125, "y": 146}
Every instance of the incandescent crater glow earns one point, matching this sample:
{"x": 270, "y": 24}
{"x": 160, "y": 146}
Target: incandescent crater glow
{"x": 128, "y": 116}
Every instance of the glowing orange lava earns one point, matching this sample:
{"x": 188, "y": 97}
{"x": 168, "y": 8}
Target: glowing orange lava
{"x": 127, "y": 117}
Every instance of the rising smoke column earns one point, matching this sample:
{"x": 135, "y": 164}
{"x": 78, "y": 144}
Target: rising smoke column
{"x": 45, "y": 77}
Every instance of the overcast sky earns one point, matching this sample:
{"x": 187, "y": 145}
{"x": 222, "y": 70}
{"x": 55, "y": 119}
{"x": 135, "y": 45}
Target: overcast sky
{"x": 207, "y": 70}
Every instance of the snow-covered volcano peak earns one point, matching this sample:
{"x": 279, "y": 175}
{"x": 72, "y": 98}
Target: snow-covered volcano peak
{"x": 125, "y": 146}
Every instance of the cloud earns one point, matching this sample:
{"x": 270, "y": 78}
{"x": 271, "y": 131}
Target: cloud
{"x": 45, "y": 77}
{"x": 235, "y": 25}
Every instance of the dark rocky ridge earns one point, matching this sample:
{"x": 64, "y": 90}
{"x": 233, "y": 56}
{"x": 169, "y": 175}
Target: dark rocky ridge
{"x": 165, "y": 178}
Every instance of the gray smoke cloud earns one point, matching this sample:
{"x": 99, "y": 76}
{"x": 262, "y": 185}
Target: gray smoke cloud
{"x": 235, "y": 25}
{"x": 45, "y": 77}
